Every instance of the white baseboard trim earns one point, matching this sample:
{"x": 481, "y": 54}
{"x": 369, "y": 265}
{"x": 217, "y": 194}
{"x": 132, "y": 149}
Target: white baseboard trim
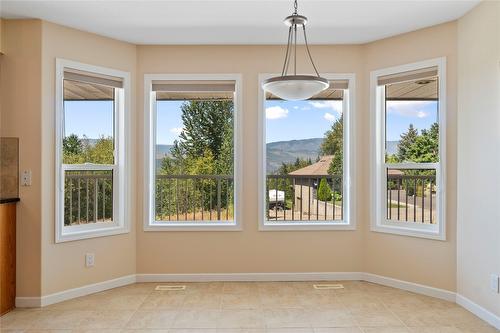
{"x": 479, "y": 311}
{"x": 410, "y": 286}
{"x": 33, "y": 302}
{"x": 227, "y": 277}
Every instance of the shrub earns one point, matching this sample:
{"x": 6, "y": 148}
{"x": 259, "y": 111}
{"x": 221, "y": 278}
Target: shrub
{"x": 324, "y": 191}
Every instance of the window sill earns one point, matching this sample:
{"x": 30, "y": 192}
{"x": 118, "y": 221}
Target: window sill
{"x": 193, "y": 226}
{"x": 305, "y": 226}
{"x": 407, "y": 229}
{"x": 73, "y": 234}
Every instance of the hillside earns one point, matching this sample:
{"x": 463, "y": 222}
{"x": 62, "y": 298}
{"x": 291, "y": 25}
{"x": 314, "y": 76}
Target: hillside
{"x": 288, "y": 151}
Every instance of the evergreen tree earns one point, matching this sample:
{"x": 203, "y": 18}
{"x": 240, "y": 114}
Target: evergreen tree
{"x": 207, "y": 125}
{"x": 324, "y": 191}
{"x": 333, "y": 145}
{"x": 407, "y": 140}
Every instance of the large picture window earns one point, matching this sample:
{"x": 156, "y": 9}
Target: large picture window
{"x": 191, "y": 167}
{"x": 90, "y": 154}
{"x": 305, "y": 165}
{"x": 409, "y": 152}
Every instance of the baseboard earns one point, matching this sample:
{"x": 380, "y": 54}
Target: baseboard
{"x": 479, "y": 311}
{"x": 410, "y": 286}
{"x": 33, "y": 302}
{"x": 210, "y": 277}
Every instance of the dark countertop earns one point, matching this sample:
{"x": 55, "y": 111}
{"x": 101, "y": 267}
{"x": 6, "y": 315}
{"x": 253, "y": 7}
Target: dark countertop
{"x": 9, "y": 200}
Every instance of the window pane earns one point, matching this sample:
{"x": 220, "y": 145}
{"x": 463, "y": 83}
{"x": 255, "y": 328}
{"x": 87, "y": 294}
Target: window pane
{"x": 88, "y": 123}
{"x": 304, "y": 158}
{"x": 411, "y": 195}
{"x": 88, "y": 196}
{"x": 412, "y": 130}
{"x": 194, "y": 160}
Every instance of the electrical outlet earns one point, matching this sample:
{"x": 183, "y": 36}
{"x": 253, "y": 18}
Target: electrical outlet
{"x": 89, "y": 260}
{"x": 26, "y": 178}
{"x": 495, "y": 283}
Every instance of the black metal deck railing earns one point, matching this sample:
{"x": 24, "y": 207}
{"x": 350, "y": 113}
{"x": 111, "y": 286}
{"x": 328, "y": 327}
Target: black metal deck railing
{"x": 411, "y": 198}
{"x": 89, "y": 197}
{"x": 298, "y": 198}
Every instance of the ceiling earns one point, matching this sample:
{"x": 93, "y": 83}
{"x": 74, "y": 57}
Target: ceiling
{"x": 239, "y": 21}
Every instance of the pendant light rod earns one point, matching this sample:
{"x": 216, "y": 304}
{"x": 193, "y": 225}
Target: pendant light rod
{"x": 293, "y": 87}
{"x": 293, "y": 21}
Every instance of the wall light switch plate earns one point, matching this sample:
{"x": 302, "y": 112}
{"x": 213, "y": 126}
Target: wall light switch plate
{"x": 495, "y": 283}
{"x": 89, "y": 260}
{"x": 26, "y": 178}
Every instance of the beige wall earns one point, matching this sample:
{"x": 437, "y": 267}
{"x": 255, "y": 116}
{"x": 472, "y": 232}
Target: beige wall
{"x": 61, "y": 266}
{"x": 248, "y": 250}
{"x": 479, "y": 155}
{"x": 115, "y": 255}
{"x": 20, "y": 88}
{"x": 325, "y": 251}
{"x": 428, "y": 262}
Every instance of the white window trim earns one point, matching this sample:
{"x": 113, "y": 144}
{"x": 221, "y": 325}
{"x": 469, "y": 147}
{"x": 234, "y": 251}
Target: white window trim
{"x": 349, "y": 110}
{"x": 121, "y": 176}
{"x": 150, "y": 138}
{"x": 379, "y": 222}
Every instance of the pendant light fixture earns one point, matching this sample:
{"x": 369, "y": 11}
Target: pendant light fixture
{"x": 295, "y": 87}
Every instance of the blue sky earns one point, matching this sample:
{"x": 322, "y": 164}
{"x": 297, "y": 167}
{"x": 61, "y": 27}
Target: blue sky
{"x": 285, "y": 120}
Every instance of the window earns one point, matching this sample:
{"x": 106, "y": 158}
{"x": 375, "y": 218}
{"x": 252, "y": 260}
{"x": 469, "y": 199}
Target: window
{"x": 192, "y": 169}
{"x": 409, "y": 152}
{"x": 91, "y": 176}
{"x": 304, "y": 180}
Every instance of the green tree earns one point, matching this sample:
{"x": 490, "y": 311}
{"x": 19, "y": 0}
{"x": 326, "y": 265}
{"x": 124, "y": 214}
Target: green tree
{"x": 333, "y": 145}
{"x": 324, "y": 191}
{"x": 405, "y": 143}
{"x": 72, "y": 145}
{"x": 206, "y": 126}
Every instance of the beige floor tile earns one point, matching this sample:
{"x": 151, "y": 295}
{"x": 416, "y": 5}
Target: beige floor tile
{"x": 203, "y": 301}
{"x": 289, "y": 330}
{"x": 476, "y": 328}
{"x": 321, "y": 301}
{"x": 241, "y": 330}
{"x": 240, "y": 301}
{"x": 434, "y": 329}
{"x": 152, "y": 319}
{"x": 375, "y": 316}
{"x": 286, "y": 318}
{"x": 280, "y": 300}
{"x": 240, "y": 287}
{"x": 19, "y": 319}
{"x": 107, "y": 319}
{"x": 119, "y": 302}
{"x": 61, "y": 319}
{"x": 338, "y": 330}
{"x": 163, "y": 301}
{"x": 125, "y": 330}
{"x": 196, "y": 319}
{"x": 192, "y": 330}
{"x": 240, "y": 319}
{"x": 387, "y": 329}
{"x": 330, "y": 318}
{"x": 48, "y": 331}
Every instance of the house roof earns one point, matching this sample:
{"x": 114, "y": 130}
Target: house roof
{"x": 319, "y": 168}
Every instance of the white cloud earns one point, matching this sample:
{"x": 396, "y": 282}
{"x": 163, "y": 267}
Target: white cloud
{"x": 409, "y": 108}
{"x": 176, "y": 130}
{"x": 333, "y": 105}
{"x": 330, "y": 117}
{"x": 276, "y": 112}
{"x": 296, "y": 107}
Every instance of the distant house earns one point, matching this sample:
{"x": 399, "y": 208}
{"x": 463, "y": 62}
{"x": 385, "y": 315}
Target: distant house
{"x": 306, "y": 183}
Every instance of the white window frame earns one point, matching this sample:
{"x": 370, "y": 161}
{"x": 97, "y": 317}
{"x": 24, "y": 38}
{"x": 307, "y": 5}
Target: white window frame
{"x": 379, "y": 221}
{"x": 121, "y": 176}
{"x": 349, "y": 109}
{"x": 150, "y": 224}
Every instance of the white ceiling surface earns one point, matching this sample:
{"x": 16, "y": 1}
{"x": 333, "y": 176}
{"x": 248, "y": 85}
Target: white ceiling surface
{"x": 239, "y": 21}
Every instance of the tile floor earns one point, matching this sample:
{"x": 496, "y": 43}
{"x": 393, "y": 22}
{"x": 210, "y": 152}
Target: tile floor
{"x": 255, "y": 307}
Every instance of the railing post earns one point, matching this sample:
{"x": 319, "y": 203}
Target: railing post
{"x": 218, "y": 198}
